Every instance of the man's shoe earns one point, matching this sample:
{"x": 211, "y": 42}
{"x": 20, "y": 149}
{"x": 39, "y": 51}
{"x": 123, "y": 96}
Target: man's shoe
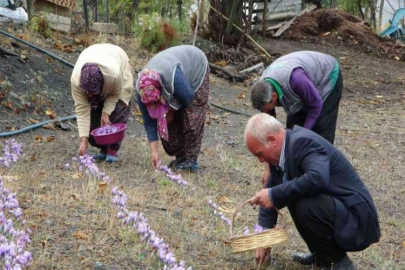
{"x": 304, "y": 258}
{"x": 343, "y": 264}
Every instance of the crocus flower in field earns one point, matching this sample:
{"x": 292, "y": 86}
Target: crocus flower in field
{"x": 258, "y": 228}
{"x": 177, "y": 178}
{"x": 136, "y": 220}
{"x": 140, "y": 224}
{"x": 11, "y": 152}
{"x": 13, "y": 240}
{"x": 227, "y": 221}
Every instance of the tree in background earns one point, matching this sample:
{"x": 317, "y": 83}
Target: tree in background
{"x": 222, "y": 30}
{"x": 365, "y": 9}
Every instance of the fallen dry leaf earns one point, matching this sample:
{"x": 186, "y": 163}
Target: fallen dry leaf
{"x": 80, "y": 235}
{"x": 77, "y": 176}
{"x": 50, "y": 138}
{"x": 32, "y": 158}
{"x": 241, "y": 95}
{"x": 326, "y": 34}
{"x": 9, "y": 105}
{"x": 223, "y": 199}
{"x": 49, "y": 111}
{"x": 222, "y": 63}
{"x": 38, "y": 138}
{"x": 34, "y": 121}
{"x": 403, "y": 244}
{"x": 75, "y": 197}
{"x": 49, "y": 126}
{"x": 225, "y": 209}
{"x": 49, "y": 60}
{"x": 102, "y": 186}
{"x": 10, "y": 177}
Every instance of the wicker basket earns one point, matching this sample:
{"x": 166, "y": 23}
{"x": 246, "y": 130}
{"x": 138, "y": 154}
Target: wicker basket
{"x": 264, "y": 239}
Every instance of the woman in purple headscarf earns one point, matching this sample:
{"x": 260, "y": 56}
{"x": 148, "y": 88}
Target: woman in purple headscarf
{"x": 102, "y": 88}
{"x": 172, "y": 95}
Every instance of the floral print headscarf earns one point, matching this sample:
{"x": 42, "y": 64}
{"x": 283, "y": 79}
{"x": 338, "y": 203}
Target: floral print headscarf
{"x": 150, "y": 90}
{"x": 91, "y": 83}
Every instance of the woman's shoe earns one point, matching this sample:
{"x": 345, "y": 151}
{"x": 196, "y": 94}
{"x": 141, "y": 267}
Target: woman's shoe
{"x": 100, "y": 157}
{"x": 175, "y": 162}
{"x": 112, "y": 156}
{"x": 188, "y": 165}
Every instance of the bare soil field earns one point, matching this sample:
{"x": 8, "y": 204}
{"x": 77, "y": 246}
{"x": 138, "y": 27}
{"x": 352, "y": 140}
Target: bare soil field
{"x": 74, "y": 224}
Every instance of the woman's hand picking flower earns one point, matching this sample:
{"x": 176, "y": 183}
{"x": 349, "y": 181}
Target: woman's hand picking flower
{"x": 83, "y": 146}
{"x": 105, "y": 119}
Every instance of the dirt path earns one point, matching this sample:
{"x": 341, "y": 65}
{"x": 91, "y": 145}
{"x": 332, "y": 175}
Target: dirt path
{"x": 57, "y": 204}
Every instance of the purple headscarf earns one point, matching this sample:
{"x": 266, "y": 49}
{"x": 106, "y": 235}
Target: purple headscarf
{"x": 150, "y": 90}
{"x": 91, "y": 83}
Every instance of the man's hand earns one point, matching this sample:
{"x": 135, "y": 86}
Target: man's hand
{"x": 262, "y": 198}
{"x": 263, "y": 255}
{"x": 83, "y": 146}
{"x": 105, "y": 119}
{"x": 266, "y": 174}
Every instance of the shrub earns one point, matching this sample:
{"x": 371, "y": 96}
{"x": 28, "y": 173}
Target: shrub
{"x": 156, "y": 34}
{"x": 39, "y": 24}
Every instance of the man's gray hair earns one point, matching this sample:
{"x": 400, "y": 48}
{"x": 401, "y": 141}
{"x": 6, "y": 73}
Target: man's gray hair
{"x": 261, "y": 93}
{"x": 261, "y": 125}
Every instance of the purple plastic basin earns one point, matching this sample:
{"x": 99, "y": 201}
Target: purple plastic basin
{"x": 111, "y": 138}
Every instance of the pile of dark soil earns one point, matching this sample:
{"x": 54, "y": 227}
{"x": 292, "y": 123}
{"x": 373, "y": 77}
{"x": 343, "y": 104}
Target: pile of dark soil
{"x": 340, "y": 28}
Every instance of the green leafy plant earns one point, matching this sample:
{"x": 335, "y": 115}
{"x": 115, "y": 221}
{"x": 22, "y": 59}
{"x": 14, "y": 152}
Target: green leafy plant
{"x": 156, "y": 34}
{"x": 39, "y": 24}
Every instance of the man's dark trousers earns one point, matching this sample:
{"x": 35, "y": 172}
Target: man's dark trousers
{"x": 314, "y": 218}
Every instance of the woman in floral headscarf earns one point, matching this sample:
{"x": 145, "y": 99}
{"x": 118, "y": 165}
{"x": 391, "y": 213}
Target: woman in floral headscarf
{"x": 102, "y": 88}
{"x": 172, "y": 93}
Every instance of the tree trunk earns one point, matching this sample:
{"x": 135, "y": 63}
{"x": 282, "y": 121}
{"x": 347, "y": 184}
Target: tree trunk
{"x": 380, "y": 15}
{"x": 373, "y": 16}
{"x": 179, "y": 4}
{"x": 264, "y": 23}
{"x": 360, "y": 9}
{"x": 234, "y": 16}
{"x": 250, "y": 17}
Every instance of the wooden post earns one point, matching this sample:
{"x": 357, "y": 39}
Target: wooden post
{"x": 86, "y": 13}
{"x": 264, "y": 24}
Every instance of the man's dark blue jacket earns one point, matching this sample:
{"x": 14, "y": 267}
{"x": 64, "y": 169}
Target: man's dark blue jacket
{"x": 314, "y": 166}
